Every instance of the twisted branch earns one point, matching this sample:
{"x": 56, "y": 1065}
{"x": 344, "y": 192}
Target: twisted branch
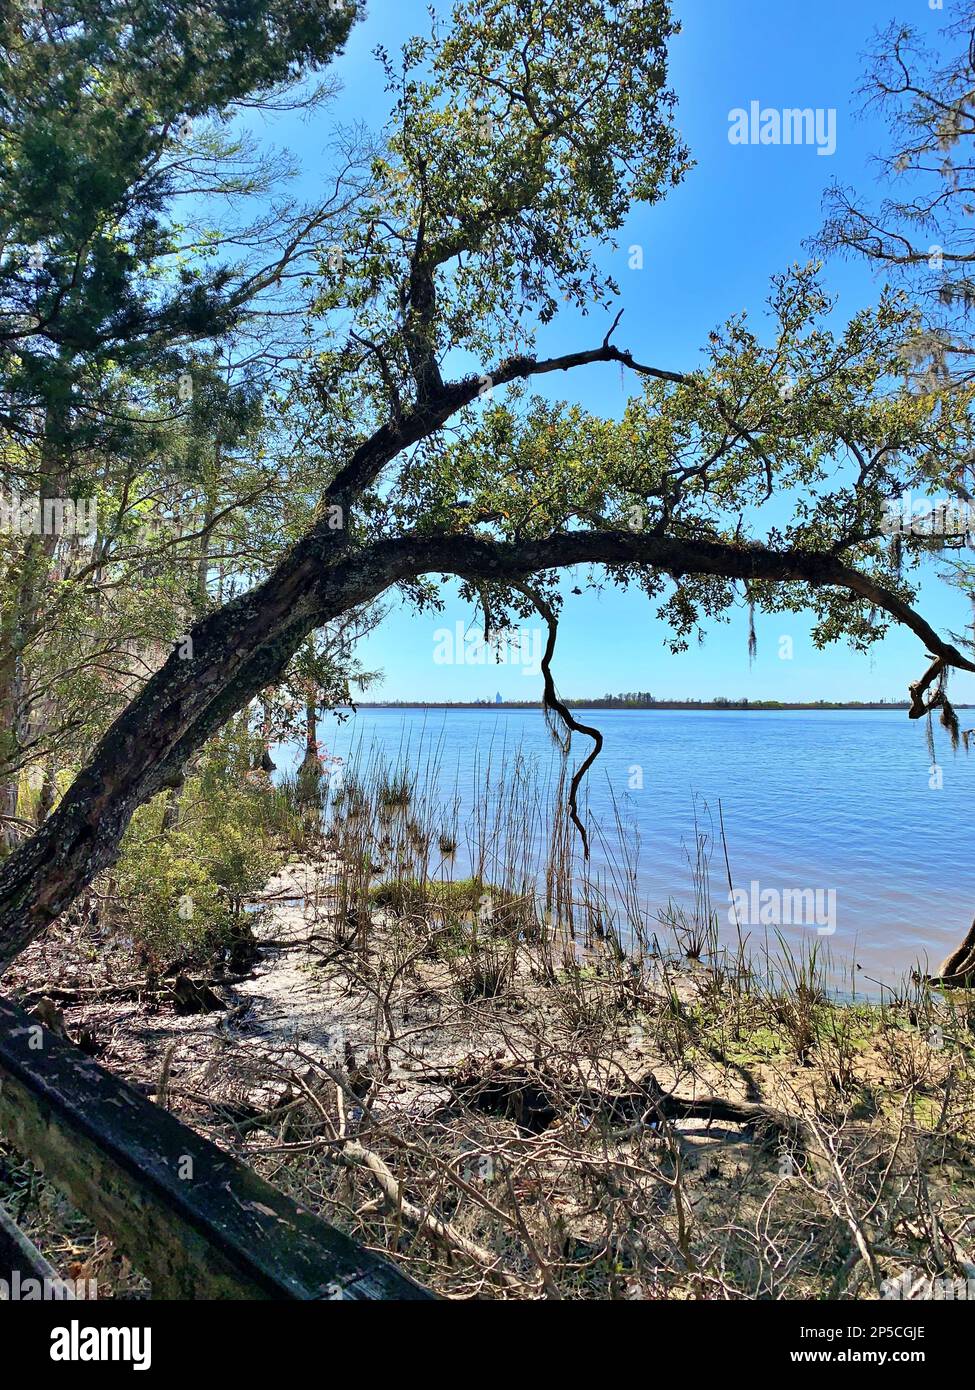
{"x": 553, "y": 705}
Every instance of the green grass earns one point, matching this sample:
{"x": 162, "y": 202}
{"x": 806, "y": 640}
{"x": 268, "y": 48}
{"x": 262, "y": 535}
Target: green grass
{"x": 460, "y": 896}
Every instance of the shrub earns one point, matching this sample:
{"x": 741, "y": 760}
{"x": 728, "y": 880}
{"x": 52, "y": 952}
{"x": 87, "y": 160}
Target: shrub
{"x": 183, "y": 887}
{"x": 173, "y": 904}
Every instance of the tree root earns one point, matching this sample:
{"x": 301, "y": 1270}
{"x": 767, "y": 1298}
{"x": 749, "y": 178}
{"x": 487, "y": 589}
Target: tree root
{"x": 958, "y": 969}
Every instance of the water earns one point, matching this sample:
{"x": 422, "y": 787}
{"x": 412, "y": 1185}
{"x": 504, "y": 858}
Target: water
{"x": 836, "y": 801}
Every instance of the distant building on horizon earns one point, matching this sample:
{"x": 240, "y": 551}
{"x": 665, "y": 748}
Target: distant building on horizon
{"x": 497, "y": 699}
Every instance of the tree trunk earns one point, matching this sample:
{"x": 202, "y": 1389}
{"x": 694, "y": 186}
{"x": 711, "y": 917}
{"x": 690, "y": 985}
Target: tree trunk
{"x": 266, "y": 762}
{"x": 21, "y": 618}
{"x": 9, "y": 834}
{"x": 48, "y": 792}
{"x": 310, "y": 771}
{"x": 239, "y": 651}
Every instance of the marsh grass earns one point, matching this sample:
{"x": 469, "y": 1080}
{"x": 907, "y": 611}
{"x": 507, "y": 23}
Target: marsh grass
{"x": 562, "y": 1186}
{"x": 520, "y": 920}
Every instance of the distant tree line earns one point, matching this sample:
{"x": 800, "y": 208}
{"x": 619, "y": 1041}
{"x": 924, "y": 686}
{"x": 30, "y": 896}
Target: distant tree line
{"x": 643, "y": 699}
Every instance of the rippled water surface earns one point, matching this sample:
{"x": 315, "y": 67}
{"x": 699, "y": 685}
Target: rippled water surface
{"x": 829, "y": 800}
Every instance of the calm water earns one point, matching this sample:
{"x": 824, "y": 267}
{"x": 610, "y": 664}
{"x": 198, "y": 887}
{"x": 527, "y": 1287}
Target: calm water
{"x": 835, "y": 801}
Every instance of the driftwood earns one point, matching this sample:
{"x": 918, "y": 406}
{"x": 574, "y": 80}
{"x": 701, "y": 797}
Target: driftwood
{"x": 184, "y": 987}
{"x": 535, "y": 1097}
{"x": 352, "y": 1154}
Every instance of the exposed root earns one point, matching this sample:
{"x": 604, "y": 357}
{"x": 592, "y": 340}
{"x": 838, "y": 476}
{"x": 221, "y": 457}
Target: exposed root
{"x": 958, "y": 969}
{"x": 193, "y": 993}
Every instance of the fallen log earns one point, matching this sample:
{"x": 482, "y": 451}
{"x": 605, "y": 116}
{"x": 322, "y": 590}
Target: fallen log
{"x": 127, "y": 989}
{"x": 536, "y": 1097}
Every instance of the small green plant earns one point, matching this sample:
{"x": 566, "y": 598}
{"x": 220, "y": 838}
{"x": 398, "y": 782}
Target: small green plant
{"x": 695, "y": 935}
{"x": 191, "y": 859}
{"x": 395, "y": 793}
{"x": 800, "y": 994}
{"x": 173, "y": 905}
{"x": 463, "y": 895}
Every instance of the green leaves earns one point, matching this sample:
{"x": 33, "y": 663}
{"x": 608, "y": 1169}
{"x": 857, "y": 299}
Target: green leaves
{"x": 520, "y": 136}
{"x": 104, "y": 313}
{"x": 798, "y": 435}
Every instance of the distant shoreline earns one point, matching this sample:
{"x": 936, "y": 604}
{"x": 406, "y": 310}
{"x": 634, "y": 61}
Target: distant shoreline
{"x": 760, "y": 706}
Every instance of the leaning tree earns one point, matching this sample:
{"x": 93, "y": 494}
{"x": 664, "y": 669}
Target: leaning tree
{"x": 521, "y": 134}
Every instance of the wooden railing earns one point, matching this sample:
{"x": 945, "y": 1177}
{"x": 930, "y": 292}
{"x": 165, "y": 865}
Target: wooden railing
{"x": 194, "y": 1220}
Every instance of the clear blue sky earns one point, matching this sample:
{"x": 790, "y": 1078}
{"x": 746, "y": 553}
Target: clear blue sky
{"x": 740, "y": 216}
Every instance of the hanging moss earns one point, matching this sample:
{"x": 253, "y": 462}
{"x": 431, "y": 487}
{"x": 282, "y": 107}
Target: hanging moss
{"x": 949, "y": 720}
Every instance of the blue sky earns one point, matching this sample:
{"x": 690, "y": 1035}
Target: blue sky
{"x": 741, "y": 215}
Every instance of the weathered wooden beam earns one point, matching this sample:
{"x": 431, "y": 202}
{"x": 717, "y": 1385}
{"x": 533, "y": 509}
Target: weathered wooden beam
{"x": 21, "y": 1261}
{"x": 198, "y": 1223}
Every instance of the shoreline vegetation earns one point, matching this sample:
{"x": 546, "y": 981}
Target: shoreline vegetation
{"x": 460, "y": 1043}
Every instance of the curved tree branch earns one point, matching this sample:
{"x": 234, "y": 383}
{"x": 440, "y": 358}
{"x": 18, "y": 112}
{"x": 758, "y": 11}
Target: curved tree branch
{"x": 246, "y": 646}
